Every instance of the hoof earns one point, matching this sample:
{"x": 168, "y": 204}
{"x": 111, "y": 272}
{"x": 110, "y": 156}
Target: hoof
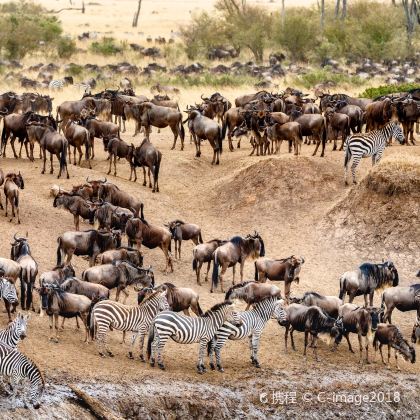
{"x": 220, "y": 368}
{"x": 161, "y": 366}
{"x": 141, "y": 358}
{"x": 130, "y": 355}
{"x": 212, "y": 367}
{"x": 152, "y": 364}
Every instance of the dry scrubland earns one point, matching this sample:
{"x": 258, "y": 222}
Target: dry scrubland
{"x": 298, "y": 205}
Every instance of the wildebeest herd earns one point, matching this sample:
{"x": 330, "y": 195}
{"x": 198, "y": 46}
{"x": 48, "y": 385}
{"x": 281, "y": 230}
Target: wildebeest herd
{"x": 163, "y": 310}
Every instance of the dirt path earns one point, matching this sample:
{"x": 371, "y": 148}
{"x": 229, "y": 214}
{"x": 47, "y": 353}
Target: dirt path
{"x": 284, "y": 198}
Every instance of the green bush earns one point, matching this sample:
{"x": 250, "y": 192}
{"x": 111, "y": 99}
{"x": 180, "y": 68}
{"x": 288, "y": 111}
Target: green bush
{"x": 106, "y": 46}
{"x": 74, "y": 69}
{"x": 314, "y": 77}
{"x": 66, "y": 47}
{"x": 388, "y": 89}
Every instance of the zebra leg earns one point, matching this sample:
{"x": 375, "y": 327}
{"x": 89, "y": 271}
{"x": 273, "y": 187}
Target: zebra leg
{"x": 355, "y": 164}
{"x": 141, "y": 347}
{"x": 255, "y": 341}
{"x": 161, "y": 341}
{"x": 210, "y": 351}
{"x": 200, "y": 366}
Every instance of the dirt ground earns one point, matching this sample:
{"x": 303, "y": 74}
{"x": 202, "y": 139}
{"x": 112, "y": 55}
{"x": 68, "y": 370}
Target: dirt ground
{"x": 284, "y": 198}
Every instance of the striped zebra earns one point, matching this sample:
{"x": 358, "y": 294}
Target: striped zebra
{"x": 110, "y": 315}
{"x": 253, "y": 323}
{"x": 18, "y": 367}
{"x": 8, "y": 291}
{"x": 60, "y": 83}
{"x": 15, "y": 331}
{"x": 361, "y": 145}
{"x": 185, "y": 330}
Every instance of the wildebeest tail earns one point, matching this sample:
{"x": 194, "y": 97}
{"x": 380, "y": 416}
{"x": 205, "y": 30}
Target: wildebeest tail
{"x": 194, "y": 263}
{"x": 200, "y": 311}
{"x": 215, "y": 274}
{"x": 220, "y": 136}
{"x": 87, "y": 146}
{"x": 343, "y": 283}
{"x": 200, "y": 238}
{"x": 224, "y": 127}
{"x": 59, "y": 251}
{"x": 63, "y": 156}
{"x": 324, "y": 134}
{"x": 256, "y": 271}
{"x": 141, "y": 211}
{"x": 181, "y": 130}
{"x": 3, "y": 139}
{"x": 150, "y": 341}
{"x": 157, "y": 166}
{"x": 16, "y": 199}
{"x": 91, "y": 322}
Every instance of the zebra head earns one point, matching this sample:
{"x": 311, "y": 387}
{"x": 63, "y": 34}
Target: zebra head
{"x": 8, "y": 291}
{"x": 280, "y": 314}
{"x": 232, "y": 315}
{"x": 20, "y": 324}
{"x": 397, "y": 133}
{"x": 163, "y": 304}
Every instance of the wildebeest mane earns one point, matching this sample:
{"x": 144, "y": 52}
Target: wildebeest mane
{"x": 178, "y": 222}
{"x": 317, "y": 295}
{"x": 234, "y": 287}
{"x": 215, "y": 308}
{"x": 380, "y": 273}
{"x": 237, "y": 240}
{"x": 283, "y": 259}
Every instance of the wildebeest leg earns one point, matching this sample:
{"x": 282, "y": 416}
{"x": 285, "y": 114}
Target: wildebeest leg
{"x": 126, "y": 295}
{"x": 233, "y": 274}
{"x": 150, "y": 182}
{"x": 56, "y": 327}
{"x": 22, "y": 289}
{"x": 224, "y": 267}
{"x": 285, "y": 338}
{"x": 208, "y": 269}
{"x": 367, "y": 350}
{"x": 314, "y": 345}
{"x": 79, "y": 149}
{"x": 241, "y": 271}
{"x": 371, "y": 297}
{"x": 359, "y": 337}
{"x": 382, "y": 356}
{"x": 318, "y": 142}
{"x": 287, "y": 285}
{"x": 12, "y": 143}
{"x": 348, "y": 342}
{"x": 291, "y": 339}
{"x": 197, "y": 272}
{"x": 76, "y": 221}
{"x": 175, "y": 132}
{"x": 7, "y": 202}
{"x": 396, "y": 359}
{"x": 179, "y": 249}
{"x": 115, "y": 165}
{"x": 44, "y": 151}
{"x": 51, "y": 162}
{"x": 306, "y": 343}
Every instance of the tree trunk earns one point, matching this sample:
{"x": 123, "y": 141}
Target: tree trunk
{"x": 337, "y": 8}
{"x": 322, "y": 14}
{"x": 283, "y": 12}
{"x": 344, "y": 11}
{"x": 137, "y": 14}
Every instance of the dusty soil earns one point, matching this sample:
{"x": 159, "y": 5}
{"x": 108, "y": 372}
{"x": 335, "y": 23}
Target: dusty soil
{"x": 289, "y": 201}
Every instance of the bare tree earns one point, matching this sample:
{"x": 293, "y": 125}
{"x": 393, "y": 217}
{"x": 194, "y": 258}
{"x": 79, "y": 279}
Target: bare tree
{"x": 283, "y": 12}
{"x": 344, "y": 11}
{"x": 136, "y": 15}
{"x": 412, "y": 18}
{"x": 322, "y": 14}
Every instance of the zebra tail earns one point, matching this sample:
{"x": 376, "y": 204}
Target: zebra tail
{"x": 347, "y": 155}
{"x": 215, "y": 275}
{"x": 91, "y": 322}
{"x": 150, "y": 341}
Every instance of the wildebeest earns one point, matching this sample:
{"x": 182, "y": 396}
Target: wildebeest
{"x": 290, "y": 131}
{"x": 140, "y": 232}
{"x": 179, "y": 298}
{"x": 53, "y": 142}
{"x": 329, "y": 304}
{"x": 11, "y": 187}
{"x": 415, "y": 335}
{"x": 390, "y": 335}
{"x": 73, "y": 109}
{"x": 241, "y": 101}
{"x": 233, "y": 118}
{"x": 403, "y": 298}
{"x": 362, "y": 321}
{"x": 77, "y": 136}
{"x": 108, "y": 217}
{"x": 203, "y": 128}
{"x": 312, "y": 321}
{"x": 234, "y": 251}
{"x": 68, "y": 305}
{"x": 121, "y": 254}
{"x": 339, "y": 124}
{"x": 377, "y": 114}
{"x": 14, "y": 125}
{"x": 112, "y": 194}
{"x": 284, "y": 269}
{"x": 90, "y": 290}
{"x": 89, "y": 242}
{"x": 147, "y": 155}
{"x": 203, "y": 253}
{"x": 148, "y": 114}
{"x": 119, "y": 274}
{"x": 77, "y": 206}
{"x": 408, "y": 112}
{"x": 57, "y": 275}
{"x": 117, "y": 148}
{"x": 182, "y": 231}
{"x": 368, "y": 278}
{"x": 355, "y": 114}
{"x": 252, "y": 292}
{"x": 326, "y": 99}
{"x": 21, "y": 253}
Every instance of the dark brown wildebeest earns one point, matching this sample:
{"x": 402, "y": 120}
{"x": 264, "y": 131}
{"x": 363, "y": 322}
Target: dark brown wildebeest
{"x": 119, "y": 274}
{"x": 179, "y": 298}
{"x": 252, "y": 292}
{"x": 368, "y": 278}
{"x": 408, "y": 112}
{"x": 326, "y": 100}
{"x": 72, "y": 109}
{"x": 68, "y": 305}
{"x": 8, "y": 101}
{"x": 112, "y": 194}
{"x": 361, "y": 321}
{"x": 403, "y": 298}
{"x": 233, "y": 118}
{"x": 355, "y": 114}
{"x": 108, "y": 217}
{"x": 235, "y": 251}
{"x": 90, "y": 243}
{"x": 312, "y": 321}
{"x": 147, "y": 155}
{"x": 310, "y": 107}
{"x": 203, "y": 253}
{"x": 284, "y": 269}
{"x": 77, "y": 136}
{"x": 90, "y": 290}
{"x": 329, "y": 304}
{"x": 377, "y": 114}
{"x": 90, "y": 189}
{"x": 11, "y": 187}
{"x": 57, "y": 275}
{"x": 182, "y": 231}
{"x": 148, "y": 114}
{"x": 390, "y": 335}
{"x": 21, "y": 253}
{"x": 415, "y": 335}
{"x": 121, "y": 254}
{"x": 289, "y": 131}
{"x": 165, "y": 100}
{"x": 312, "y": 125}
{"x": 140, "y": 232}
{"x": 117, "y": 148}
{"x": 15, "y": 125}
{"x": 53, "y": 142}
{"x": 203, "y": 128}
{"x": 241, "y": 101}
{"x": 77, "y": 206}
{"x": 339, "y": 124}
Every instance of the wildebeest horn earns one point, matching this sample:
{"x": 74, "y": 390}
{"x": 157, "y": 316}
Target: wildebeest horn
{"x": 103, "y": 182}
{"x": 87, "y": 179}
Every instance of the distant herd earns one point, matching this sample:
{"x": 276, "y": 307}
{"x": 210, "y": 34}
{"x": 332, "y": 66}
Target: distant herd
{"x": 163, "y": 310}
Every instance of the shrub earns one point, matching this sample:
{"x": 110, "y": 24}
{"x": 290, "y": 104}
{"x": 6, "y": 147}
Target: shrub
{"x": 66, "y": 47}
{"x": 74, "y": 69}
{"x": 314, "y": 77}
{"x": 388, "y": 89}
{"x": 106, "y": 46}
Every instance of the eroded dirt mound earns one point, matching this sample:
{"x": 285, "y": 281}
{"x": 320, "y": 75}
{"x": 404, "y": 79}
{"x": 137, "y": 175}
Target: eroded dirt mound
{"x": 284, "y": 182}
{"x": 383, "y": 210}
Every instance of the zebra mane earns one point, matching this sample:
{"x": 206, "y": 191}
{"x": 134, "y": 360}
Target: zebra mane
{"x": 215, "y": 308}
{"x": 146, "y": 299}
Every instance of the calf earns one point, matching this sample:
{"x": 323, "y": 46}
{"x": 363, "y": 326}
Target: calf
{"x": 121, "y": 254}
{"x": 182, "y": 231}
{"x": 90, "y": 290}
{"x": 329, "y": 304}
{"x": 203, "y": 253}
{"x": 390, "y": 335}
{"x": 403, "y": 298}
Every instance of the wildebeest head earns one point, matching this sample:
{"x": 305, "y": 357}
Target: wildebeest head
{"x": 375, "y": 315}
{"x": 391, "y": 267}
{"x": 415, "y": 336}
{"x": 20, "y": 247}
{"x": 337, "y": 331}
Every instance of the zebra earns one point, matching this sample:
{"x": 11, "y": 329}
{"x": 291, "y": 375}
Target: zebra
{"x": 15, "y": 331}
{"x": 253, "y": 323}
{"x": 185, "y": 330}
{"x": 18, "y": 367}
{"x": 360, "y": 145}
{"x": 8, "y": 291}
{"x": 109, "y": 315}
{"x": 60, "y": 83}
